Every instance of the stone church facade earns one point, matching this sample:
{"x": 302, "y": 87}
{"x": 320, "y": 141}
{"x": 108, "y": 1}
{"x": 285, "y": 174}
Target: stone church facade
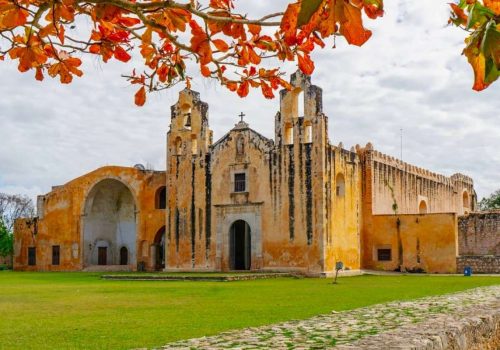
{"x": 245, "y": 202}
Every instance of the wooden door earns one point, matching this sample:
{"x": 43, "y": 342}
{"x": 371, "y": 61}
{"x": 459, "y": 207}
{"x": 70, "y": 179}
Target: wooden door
{"x": 102, "y": 257}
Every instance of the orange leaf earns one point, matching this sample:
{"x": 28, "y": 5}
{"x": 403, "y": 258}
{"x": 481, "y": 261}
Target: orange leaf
{"x": 12, "y": 18}
{"x": 140, "y": 96}
{"x": 232, "y": 86}
{"x": 352, "y": 28}
{"x": 205, "y": 71}
{"x": 306, "y": 65}
{"x": 121, "y": 54}
{"x": 243, "y": 89}
{"x": 478, "y": 63}
{"x": 254, "y": 29}
{"x": 221, "y": 45}
{"x": 254, "y": 58}
{"x": 289, "y": 23}
{"x": 493, "y": 5}
{"x": 60, "y": 35}
{"x": 39, "y": 74}
{"x": 266, "y": 90}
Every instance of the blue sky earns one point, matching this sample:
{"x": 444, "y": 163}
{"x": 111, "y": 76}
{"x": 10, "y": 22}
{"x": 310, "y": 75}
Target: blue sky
{"x": 410, "y": 75}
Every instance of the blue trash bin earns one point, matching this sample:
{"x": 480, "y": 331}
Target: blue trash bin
{"x": 468, "y": 271}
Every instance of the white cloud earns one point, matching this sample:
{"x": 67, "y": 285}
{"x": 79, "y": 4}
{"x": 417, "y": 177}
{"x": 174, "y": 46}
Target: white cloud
{"x": 410, "y": 75}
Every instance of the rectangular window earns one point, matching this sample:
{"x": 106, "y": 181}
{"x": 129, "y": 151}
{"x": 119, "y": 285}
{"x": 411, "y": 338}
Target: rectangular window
{"x": 31, "y": 256}
{"x": 55, "y": 254}
{"x": 239, "y": 182}
{"x": 384, "y": 255}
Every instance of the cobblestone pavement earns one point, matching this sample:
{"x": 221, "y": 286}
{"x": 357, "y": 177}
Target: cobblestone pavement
{"x": 335, "y": 328}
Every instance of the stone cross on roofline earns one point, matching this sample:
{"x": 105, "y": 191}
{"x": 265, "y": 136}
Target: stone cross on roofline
{"x": 241, "y": 124}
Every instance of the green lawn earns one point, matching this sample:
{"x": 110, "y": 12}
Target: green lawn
{"x": 81, "y": 311}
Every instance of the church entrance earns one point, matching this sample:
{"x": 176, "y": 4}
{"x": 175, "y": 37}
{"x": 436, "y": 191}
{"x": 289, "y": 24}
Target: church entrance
{"x": 240, "y": 246}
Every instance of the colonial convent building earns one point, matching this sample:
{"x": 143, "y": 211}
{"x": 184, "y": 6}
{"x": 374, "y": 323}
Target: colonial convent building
{"x": 295, "y": 202}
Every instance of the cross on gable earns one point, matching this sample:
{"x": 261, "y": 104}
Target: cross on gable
{"x": 242, "y": 115}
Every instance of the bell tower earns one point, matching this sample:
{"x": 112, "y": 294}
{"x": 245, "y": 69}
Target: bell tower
{"x": 189, "y": 135}
{"x": 188, "y": 168}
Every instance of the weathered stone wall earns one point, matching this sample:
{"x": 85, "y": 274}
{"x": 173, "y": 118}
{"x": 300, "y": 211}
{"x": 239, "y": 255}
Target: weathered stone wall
{"x": 415, "y": 190}
{"x": 479, "y": 264}
{"x": 62, "y": 215}
{"x": 479, "y": 233}
{"x": 426, "y": 242}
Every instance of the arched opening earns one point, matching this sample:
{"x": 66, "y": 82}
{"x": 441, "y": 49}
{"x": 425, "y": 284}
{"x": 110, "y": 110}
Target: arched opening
{"x": 159, "y": 249}
{"x": 298, "y": 109}
{"x": 240, "y": 246}
{"x": 307, "y": 132}
{"x": 109, "y": 224}
{"x": 123, "y": 256}
{"x": 422, "y": 207}
{"x": 465, "y": 200}
{"x": 161, "y": 198}
{"x": 288, "y": 133}
{"x": 178, "y": 146}
{"x": 340, "y": 185}
{"x": 186, "y": 116}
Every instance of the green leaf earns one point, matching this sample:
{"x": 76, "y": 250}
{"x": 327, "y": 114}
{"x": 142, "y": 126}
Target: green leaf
{"x": 490, "y": 45}
{"x": 307, "y": 10}
{"x": 479, "y": 15}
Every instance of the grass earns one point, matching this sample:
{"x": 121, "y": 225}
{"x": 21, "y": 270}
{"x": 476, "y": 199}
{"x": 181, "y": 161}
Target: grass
{"x": 81, "y": 311}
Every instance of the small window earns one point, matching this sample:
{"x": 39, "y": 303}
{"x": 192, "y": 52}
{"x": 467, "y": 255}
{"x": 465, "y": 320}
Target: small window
{"x": 56, "y": 253}
{"x": 384, "y": 254}
{"x": 340, "y": 188}
{"x": 161, "y": 198}
{"x": 239, "y": 182}
{"x": 31, "y": 256}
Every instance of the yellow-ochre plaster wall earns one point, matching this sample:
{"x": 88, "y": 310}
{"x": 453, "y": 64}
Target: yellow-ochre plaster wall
{"x": 416, "y": 241}
{"x": 60, "y": 218}
{"x": 343, "y": 235}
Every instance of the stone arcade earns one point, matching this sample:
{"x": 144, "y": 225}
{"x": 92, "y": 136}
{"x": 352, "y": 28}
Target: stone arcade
{"x": 246, "y": 202}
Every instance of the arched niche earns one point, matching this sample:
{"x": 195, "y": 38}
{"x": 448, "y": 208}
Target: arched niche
{"x": 465, "y": 200}
{"x": 340, "y": 185}
{"x": 422, "y": 207}
{"x": 109, "y": 224}
{"x": 178, "y": 146}
{"x": 161, "y": 198}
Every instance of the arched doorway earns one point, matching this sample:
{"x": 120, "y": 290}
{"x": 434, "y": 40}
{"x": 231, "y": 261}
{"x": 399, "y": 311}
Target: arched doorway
{"x": 109, "y": 226}
{"x": 422, "y": 208}
{"x": 123, "y": 256}
{"x": 240, "y": 245}
{"x": 159, "y": 247}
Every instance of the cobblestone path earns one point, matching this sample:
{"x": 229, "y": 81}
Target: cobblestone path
{"x": 335, "y": 328}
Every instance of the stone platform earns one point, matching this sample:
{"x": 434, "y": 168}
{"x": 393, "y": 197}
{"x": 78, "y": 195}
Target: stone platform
{"x": 459, "y": 321}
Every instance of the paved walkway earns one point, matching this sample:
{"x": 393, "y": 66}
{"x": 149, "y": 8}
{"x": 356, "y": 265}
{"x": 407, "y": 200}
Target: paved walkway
{"x": 329, "y": 330}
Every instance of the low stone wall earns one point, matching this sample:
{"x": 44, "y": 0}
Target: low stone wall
{"x": 479, "y": 330}
{"x": 479, "y": 233}
{"x": 479, "y": 264}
